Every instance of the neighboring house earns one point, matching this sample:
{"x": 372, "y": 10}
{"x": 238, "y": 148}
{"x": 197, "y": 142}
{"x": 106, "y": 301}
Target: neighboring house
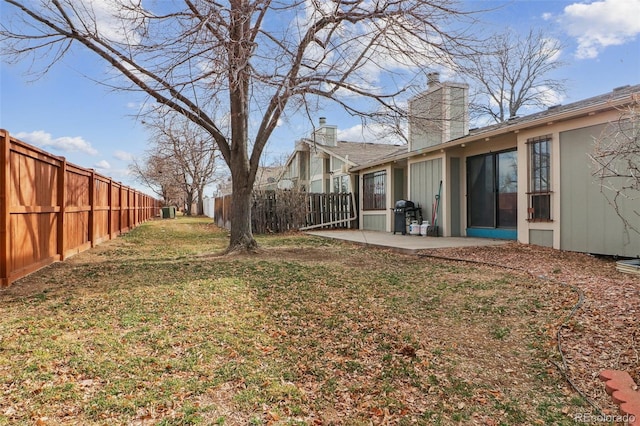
{"x": 266, "y": 179}
{"x": 321, "y": 163}
{"x": 529, "y": 178}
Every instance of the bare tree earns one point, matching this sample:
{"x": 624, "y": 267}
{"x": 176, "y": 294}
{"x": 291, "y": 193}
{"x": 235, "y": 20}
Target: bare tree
{"x": 616, "y": 159}
{"x": 159, "y": 174}
{"x": 513, "y": 73}
{"x": 221, "y": 63}
{"x": 191, "y": 150}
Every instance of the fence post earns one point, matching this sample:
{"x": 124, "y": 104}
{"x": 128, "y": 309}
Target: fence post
{"x": 5, "y": 199}
{"x": 62, "y": 203}
{"x": 92, "y": 207}
{"x": 110, "y": 209}
{"x": 121, "y": 225}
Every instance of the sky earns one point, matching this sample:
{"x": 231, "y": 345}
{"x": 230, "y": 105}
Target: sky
{"x": 66, "y": 112}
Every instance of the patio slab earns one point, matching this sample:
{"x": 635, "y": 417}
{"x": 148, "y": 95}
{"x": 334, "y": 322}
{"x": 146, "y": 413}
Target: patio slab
{"x": 404, "y": 243}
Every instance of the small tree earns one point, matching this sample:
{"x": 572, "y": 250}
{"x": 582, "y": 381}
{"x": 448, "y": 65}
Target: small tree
{"x": 159, "y": 174}
{"x": 616, "y": 159}
{"x": 191, "y": 150}
{"x": 513, "y": 73}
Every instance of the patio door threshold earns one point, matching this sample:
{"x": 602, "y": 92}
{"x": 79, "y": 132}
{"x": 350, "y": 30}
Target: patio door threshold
{"x": 497, "y": 233}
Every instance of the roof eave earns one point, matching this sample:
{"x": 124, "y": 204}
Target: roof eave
{"x": 508, "y": 128}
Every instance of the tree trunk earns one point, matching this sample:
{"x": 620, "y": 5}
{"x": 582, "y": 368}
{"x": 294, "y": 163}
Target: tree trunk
{"x": 200, "y": 211}
{"x": 241, "y": 235}
{"x": 242, "y": 171}
{"x": 189, "y": 203}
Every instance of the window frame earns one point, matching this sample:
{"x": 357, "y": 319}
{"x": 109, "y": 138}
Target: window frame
{"x": 539, "y": 196}
{"x": 374, "y": 191}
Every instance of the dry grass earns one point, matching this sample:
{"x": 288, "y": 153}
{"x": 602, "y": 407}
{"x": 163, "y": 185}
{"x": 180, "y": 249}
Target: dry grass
{"x": 152, "y": 328}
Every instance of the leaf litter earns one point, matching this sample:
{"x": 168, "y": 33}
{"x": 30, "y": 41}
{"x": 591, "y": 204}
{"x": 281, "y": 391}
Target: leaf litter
{"x": 153, "y": 328}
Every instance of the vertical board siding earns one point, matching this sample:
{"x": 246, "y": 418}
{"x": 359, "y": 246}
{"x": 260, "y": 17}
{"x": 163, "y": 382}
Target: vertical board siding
{"x": 425, "y": 183}
{"x": 50, "y": 210}
{"x": 588, "y": 223}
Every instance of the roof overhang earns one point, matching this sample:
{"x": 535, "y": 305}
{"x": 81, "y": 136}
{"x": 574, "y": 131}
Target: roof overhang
{"x": 505, "y": 128}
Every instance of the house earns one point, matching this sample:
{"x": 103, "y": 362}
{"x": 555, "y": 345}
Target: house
{"x": 321, "y": 163}
{"x": 527, "y": 179}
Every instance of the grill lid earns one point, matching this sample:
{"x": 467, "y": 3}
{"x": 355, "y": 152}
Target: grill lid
{"x": 404, "y": 204}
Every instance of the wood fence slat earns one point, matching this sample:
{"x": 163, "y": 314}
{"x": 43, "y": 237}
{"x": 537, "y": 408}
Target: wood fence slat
{"x": 284, "y": 210}
{"x": 62, "y": 198}
{"x": 4, "y": 208}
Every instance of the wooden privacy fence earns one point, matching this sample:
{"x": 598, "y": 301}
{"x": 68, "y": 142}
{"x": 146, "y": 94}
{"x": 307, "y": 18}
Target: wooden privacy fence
{"x": 284, "y": 210}
{"x": 51, "y": 209}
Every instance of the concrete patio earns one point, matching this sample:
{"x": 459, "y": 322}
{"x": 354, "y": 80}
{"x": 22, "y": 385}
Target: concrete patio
{"x": 403, "y": 243}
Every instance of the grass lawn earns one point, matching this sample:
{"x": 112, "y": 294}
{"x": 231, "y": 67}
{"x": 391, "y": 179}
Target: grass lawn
{"x": 154, "y": 328}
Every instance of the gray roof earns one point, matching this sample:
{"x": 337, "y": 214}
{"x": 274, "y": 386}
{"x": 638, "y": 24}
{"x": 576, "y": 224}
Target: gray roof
{"x": 618, "y": 96}
{"x": 359, "y": 153}
{"x": 557, "y": 110}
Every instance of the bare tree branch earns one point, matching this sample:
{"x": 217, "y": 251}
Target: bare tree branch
{"x": 513, "y": 74}
{"x": 229, "y": 69}
{"x": 616, "y": 159}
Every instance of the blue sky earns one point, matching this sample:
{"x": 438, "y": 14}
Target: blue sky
{"x": 68, "y": 114}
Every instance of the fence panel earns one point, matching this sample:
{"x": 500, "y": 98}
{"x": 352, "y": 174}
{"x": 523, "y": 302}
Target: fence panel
{"x": 76, "y": 211}
{"x": 282, "y": 211}
{"x": 50, "y": 210}
{"x": 101, "y": 209}
{"x": 32, "y": 209}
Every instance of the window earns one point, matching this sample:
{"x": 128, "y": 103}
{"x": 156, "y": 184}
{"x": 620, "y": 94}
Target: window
{"x": 540, "y": 178}
{"x": 374, "y": 191}
{"x": 341, "y": 184}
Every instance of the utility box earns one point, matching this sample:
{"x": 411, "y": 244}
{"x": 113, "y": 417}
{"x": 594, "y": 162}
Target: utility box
{"x": 169, "y": 212}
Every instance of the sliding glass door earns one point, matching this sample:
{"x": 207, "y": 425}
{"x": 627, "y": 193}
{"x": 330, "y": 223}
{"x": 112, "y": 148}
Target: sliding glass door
{"x": 492, "y": 191}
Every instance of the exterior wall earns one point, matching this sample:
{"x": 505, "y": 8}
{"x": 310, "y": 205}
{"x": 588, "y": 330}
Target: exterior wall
{"x": 377, "y": 220}
{"x": 399, "y": 184}
{"x": 541, "y": 237}
{"x": 424, "y": 183}
{"x": 453, "y": 219}
{"x": 571, "y": 176}
{"x": 589, "y": 223}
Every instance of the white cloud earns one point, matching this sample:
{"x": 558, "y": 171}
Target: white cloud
{"x": 115, "y": 20}
{"x": 123, "y": 155}
{"x": 600, "y": 24}
{"x": 375, "y": 133}
{"x": 549, "y": 96}
{"x": 103, "y": 165}
{"x": 65, "y": 143}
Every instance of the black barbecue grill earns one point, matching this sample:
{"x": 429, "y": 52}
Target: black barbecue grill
{"x": 404, "y": 212}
